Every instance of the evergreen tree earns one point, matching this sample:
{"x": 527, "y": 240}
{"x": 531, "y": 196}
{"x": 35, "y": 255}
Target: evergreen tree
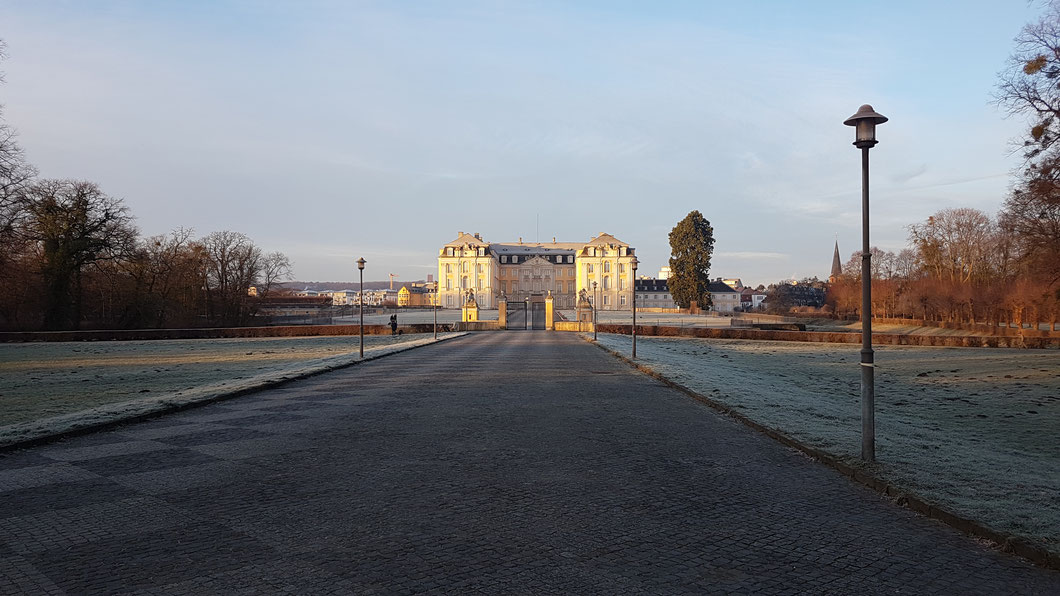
{"x": 691, "y": 245}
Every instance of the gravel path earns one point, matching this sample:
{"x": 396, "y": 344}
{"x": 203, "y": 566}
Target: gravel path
{"x": 500, "y": 463}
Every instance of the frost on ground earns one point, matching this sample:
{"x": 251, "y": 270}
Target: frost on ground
{"x": 46, "y": 388}
{"x": 972, "y": 429}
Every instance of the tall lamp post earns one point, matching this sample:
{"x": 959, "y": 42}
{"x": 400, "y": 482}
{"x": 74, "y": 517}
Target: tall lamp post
{"x": 360, "y": 327}
{"x": 864, "y": 123}
{"x": 633, "y": 266}
{"x": 435, "y": 311}
{"x": 595, "y": 319}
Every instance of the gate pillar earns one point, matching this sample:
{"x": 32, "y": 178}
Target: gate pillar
{"x": 550, "y": 316}
{"x": 502, "y": 313}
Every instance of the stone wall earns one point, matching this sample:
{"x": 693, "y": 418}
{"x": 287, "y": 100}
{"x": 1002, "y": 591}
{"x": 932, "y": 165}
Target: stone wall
{"x": 839, "y": 338}
{"x": 214, "y": 333}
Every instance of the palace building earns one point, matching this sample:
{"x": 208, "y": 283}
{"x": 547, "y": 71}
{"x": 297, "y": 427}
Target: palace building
{"x": 518, "y": 270}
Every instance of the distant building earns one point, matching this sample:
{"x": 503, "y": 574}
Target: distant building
{"x": 664, "y": 272}
{"x": 751, "y": 299}
{"x": 415, "y": 294}
{"x": 837, "y": 266}
{"x": 517, "y": 271}
{"x": 343, "y": 297}
{"x": 653, "y": 293}
{"x": 723, "y": 297}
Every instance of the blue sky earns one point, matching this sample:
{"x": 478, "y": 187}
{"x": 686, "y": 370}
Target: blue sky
{"x": 334, "y": 130}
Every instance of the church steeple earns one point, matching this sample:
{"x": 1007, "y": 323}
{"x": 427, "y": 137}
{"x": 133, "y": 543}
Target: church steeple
{"x": 837, "y": 266}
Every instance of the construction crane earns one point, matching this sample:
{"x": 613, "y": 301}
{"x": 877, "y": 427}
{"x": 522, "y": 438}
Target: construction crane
{"x": 392, "y": 276}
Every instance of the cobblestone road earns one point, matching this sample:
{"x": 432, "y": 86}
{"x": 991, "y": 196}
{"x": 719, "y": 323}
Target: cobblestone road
{"x": 500, "y": 463}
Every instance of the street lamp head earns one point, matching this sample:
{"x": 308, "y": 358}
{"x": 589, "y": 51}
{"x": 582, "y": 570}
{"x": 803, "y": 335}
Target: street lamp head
{"x": 864, "y": 123}
{"x": 594, "y": 285}
{"x": 360, "y": 263}
{"x": 633, "y": 264}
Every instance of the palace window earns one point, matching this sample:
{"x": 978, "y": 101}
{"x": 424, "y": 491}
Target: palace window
{"x": 607, "y": 282}
{"x": 621, "y": 268}
{"x": 504, "y": 258}
{"x": 449, "y": 300}
{"x": 449, "y": 251}
{"x": 449, "y": 283}
{"x": 570, "y": 287}
{"x": 463, "y": 282}
{"x": 463, "y": 267}
{"x": 590, "y": 267}
{"x": 480, "y": 269}
{"x": 448, "y": 268}
{"x": 621, "y": 283}
{"x": 607, "y": 266}
{"x": 481, "y": 251}
{"x": 606, "y": 301}
{"x": 622, "y": 299}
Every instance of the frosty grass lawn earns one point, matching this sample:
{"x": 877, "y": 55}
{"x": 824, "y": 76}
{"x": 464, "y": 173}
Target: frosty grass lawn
{"x": 40, "y": 380}
{"x": 976, "y": 430}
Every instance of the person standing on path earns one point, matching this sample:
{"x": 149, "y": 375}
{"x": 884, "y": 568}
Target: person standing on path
{"x": 393, "y": 324}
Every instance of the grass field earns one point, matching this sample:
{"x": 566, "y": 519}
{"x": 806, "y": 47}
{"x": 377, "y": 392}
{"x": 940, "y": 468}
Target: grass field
{"x": 973, "y": 429}
{"x": 39, "y": 380}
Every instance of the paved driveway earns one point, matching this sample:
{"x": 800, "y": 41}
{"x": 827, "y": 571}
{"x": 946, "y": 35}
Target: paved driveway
{"x": 509, "y": 462}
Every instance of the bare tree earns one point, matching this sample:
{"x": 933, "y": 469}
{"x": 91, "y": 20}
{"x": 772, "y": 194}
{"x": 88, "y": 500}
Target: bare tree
{"x": 955, "y": 244}
{"x": 15, "y": 176}
{"x": 167, "y": 280}
{"x": 1029, "y": 86}
{"x": 275, "y": 267}
{"x": 73, "y": 224}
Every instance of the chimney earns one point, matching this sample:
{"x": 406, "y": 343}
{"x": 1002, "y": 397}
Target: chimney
{"x": 477, "y": 235}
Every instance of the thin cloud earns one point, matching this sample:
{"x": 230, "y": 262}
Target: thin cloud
{"x": 751, "y": 255}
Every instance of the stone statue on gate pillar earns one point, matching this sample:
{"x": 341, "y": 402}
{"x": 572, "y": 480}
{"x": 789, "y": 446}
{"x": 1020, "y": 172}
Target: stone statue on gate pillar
{"x": 469, "y": 311}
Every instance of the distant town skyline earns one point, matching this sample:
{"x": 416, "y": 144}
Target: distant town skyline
{"x": 332, "y": 131}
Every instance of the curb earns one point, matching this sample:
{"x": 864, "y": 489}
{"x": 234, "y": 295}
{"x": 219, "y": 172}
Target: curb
{"x": 164, "y": 408}
{"x": 1009, "y": 543}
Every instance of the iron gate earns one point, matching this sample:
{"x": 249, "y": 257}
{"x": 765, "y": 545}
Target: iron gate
{"x": 537, "y": 311}
{"x": 516, "y": 315}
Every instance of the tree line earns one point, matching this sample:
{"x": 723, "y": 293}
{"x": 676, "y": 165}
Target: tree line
{"x": 961, "y": 266}
{"x": 71, "y": 258}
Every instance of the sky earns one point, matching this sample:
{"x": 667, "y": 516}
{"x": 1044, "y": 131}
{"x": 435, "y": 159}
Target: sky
{"x": 333, "y": 130}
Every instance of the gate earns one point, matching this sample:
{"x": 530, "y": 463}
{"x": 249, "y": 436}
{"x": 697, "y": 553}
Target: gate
{"x": 537, "y": 310}
{"x": 516, "y": 315}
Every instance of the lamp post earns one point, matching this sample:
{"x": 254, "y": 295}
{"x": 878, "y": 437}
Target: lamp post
{"x": 360, "y": 295}
{"x": 633, "y": 266}
{"x": 595, "y": 320}
{"x": 436, "y": 311}
{"x": 864, "y": 123}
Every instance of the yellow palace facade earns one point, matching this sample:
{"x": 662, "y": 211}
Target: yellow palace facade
{"x": 518, "y": 270}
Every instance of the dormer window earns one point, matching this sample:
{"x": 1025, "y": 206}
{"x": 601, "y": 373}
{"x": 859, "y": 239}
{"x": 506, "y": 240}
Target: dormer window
{"x": 481, "y": 251}
{"x": 449, "y": 251}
